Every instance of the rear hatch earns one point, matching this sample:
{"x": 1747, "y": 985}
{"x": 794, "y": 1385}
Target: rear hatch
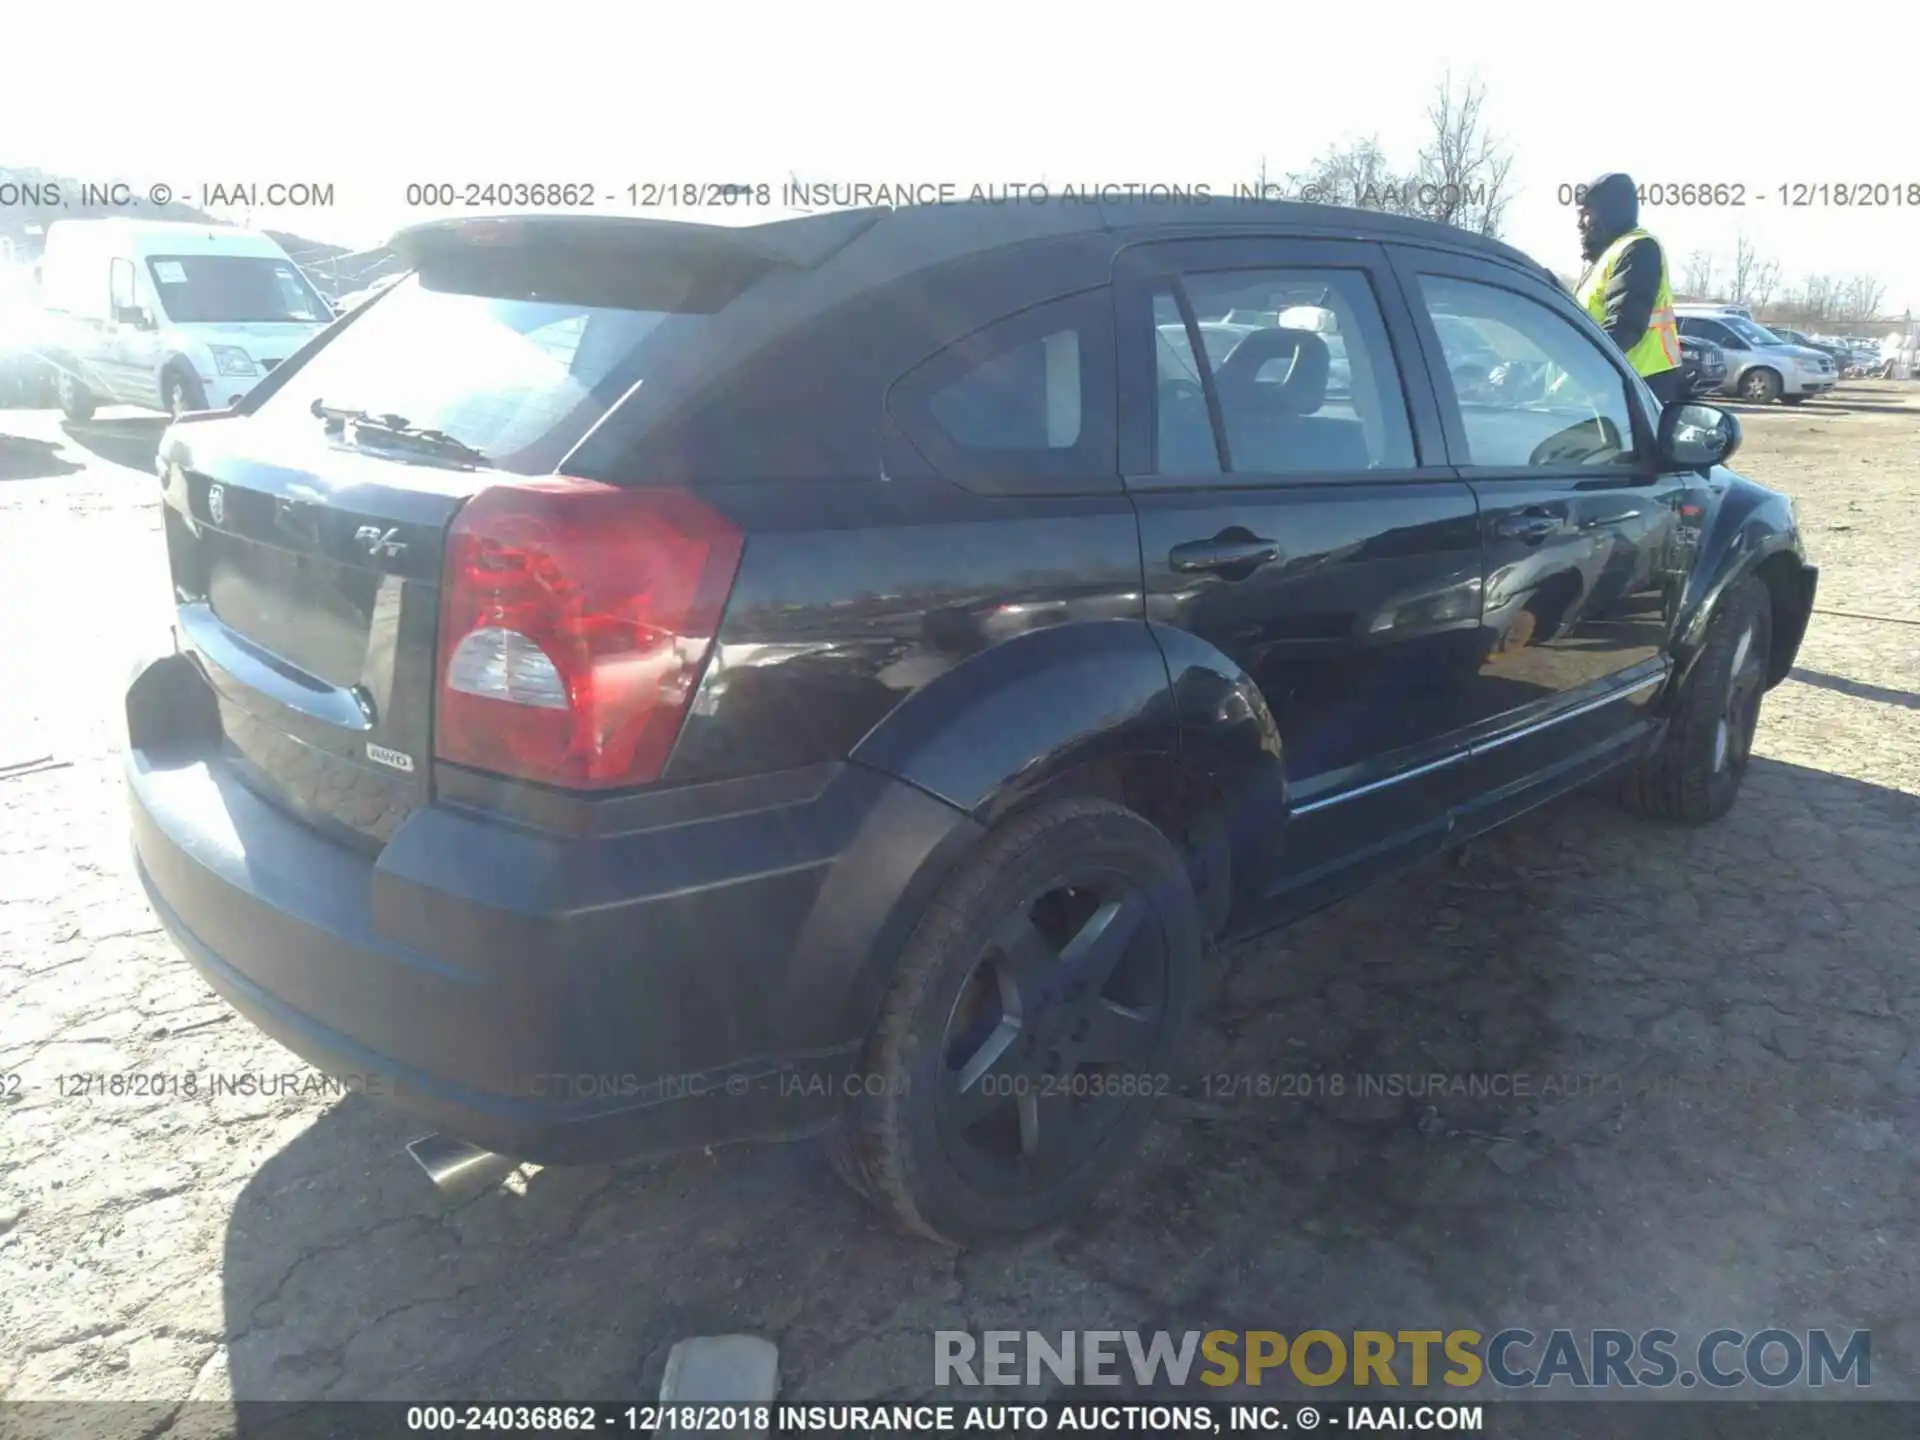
{"x": 306, "y": 534}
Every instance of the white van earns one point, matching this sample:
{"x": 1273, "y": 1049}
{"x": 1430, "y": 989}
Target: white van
{"x": 167, "y": 315}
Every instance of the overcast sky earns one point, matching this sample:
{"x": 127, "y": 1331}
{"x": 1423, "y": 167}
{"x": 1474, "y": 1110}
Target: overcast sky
{"x": 372, "y": 97}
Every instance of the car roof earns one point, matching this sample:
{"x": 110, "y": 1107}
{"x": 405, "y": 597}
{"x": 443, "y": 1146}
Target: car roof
{"x": 185, "y": 236}
{"x": 936, "y": 233}
{"x": 812, "y": 264}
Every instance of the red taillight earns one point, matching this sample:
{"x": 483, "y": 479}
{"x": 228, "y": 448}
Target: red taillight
{"x": 575, "y": 620}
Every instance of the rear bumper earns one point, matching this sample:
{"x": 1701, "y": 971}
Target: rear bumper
{"x": 553, "y": 997}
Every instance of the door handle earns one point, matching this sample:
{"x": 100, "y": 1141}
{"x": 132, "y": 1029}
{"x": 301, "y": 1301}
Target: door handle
{"x": 1531, "y": 525}
{"x": 1222, "y": 553}
{"x": 1594, "y": 522}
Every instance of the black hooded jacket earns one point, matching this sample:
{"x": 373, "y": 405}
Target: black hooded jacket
{"x": 1635, "y": 283}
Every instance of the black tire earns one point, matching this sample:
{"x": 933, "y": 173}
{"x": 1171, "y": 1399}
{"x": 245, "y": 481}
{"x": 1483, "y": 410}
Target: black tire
{"x": 75, "y": 400}
{"x": 181, "y": 392}
{"x": 1695, "y": 774}
{"x": 1760, "y": 385}
{"x": 1073, "y": 928}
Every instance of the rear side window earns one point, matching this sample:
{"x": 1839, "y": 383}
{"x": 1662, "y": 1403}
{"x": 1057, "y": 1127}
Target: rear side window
{"x": 1026, "y": 399}
{"x": 1706, "y": 330}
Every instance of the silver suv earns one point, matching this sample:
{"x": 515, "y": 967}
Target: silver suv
{"x": 1761, "y": 367}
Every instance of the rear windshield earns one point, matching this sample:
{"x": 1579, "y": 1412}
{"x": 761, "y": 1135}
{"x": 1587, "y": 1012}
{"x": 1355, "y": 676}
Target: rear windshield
{"x": 518, "y": 379}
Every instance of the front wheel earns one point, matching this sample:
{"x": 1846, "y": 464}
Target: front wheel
{"x": 1695, "y": 774}
{"x": 1760, "y": 385}
{"x": 184, "y": 393}
{"x": 1030, "y": 1026}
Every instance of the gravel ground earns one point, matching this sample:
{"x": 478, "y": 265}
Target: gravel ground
{"x": 1715, "y": 1029}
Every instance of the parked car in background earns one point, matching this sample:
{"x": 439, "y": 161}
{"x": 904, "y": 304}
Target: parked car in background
{"x": 642, "y": 685}
{"x": 1832, "y": 349}
{"x": 1863, "y": 354}
{"x": 1704, "y": 365}
{"x": 1761, "y": 366}
{"x": 167, "y": 315}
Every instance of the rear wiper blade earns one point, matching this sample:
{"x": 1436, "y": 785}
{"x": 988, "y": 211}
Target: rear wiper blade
{"x": 398, "y": 427}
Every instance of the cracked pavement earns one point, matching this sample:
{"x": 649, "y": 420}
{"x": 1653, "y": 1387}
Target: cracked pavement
{"x": 1730, "y": 1015}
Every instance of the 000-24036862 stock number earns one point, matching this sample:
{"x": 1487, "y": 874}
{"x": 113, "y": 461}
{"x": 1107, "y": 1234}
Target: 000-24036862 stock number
{"x": 584, "y": 195}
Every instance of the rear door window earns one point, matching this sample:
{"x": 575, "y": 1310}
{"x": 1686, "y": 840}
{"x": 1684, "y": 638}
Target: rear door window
{"x": 1300, "y": 365}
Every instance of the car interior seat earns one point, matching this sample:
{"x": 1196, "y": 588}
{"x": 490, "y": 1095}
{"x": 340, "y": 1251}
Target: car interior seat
{"x": 1272, "y": 409}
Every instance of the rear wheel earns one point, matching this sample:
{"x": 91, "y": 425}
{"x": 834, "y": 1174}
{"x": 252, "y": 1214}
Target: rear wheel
{"x": 1695, "y": 774}
{"x": 1760, "y": 385}
{"x": 1029, "y": 1028}
{"x": 76, "y": 401}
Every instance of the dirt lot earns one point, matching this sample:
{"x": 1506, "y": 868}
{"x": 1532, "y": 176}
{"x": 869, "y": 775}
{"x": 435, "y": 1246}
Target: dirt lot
{"x": 1733, "y": 1014}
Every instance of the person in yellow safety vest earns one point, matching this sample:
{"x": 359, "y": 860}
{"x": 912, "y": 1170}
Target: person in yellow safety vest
{"x": 1625, "y": 288}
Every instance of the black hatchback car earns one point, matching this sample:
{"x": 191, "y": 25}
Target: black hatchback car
{"x": 641, "y": 685}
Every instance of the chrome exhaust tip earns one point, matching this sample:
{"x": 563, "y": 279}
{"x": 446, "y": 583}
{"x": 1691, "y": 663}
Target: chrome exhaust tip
{"x": 457, "y": 1168}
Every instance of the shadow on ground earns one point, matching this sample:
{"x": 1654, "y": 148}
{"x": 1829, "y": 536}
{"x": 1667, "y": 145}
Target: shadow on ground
{"x": 24, "y": 459}
{"x": 131, "y": 442}
{"x": 1834, "y": 403}
{"x": 1858, "y": 689}
{"x": 1594, "y": 1072}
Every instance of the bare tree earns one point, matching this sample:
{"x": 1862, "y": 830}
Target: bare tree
{"x": 1463, "y": 170}
{"x": 1357, "y": 174}
{"x": 1462, "y": 176}
{"x": 1818, "y": 299}
{"x": 1766, "y": 279}
{"x": 1862, "y": 298}
{"x": 1746, "y": 259}
{"x": 1697, "y": 278}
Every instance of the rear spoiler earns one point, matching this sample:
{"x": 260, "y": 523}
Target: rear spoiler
{"x": 799, "y": 244}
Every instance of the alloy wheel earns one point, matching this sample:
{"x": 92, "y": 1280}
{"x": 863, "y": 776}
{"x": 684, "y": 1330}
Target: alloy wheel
{"x": 1043, "y": 1044}
{"x": 1740, "y": 715}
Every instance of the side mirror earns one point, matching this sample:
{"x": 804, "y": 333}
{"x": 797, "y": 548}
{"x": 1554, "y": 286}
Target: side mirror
{"x": 1696, "y": 437}
{"x": 133, "y": 315}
